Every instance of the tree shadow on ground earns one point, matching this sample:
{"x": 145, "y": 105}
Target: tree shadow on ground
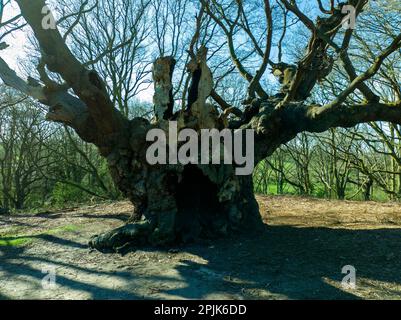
{"x": 46, "y": 237}
{"x": 113, "y": 216}
{"x": 5, "y": 221}
{"x": 295, "y": 262}
{"x": 15, "y": 262}
{"x": 278, "y": 262}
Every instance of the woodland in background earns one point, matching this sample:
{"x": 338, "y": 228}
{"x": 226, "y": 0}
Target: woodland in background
{"x": 46, "y": 165}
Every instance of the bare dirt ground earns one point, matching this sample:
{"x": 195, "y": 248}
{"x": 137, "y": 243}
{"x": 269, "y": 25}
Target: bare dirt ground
{"x": 299, "y": 255}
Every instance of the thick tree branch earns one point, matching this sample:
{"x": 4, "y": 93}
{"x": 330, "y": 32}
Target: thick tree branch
{"x": 86, "y": 84}
{"x": 320, "y": 119}
{"x": 275, "y": 127}
{"x": 64, "y": 107}
{"x": 316, "y": 64}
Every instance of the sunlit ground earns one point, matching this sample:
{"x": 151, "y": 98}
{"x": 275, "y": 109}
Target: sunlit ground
{"x": 299, "y": 255}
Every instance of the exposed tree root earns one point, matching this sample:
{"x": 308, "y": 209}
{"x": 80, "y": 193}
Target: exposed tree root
{"x": 117, "y": 239}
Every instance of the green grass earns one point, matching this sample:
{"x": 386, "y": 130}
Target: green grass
{"x": 15, "y": 240}
{"x": 66, "y": 228}
{"x": 377, "y": 194}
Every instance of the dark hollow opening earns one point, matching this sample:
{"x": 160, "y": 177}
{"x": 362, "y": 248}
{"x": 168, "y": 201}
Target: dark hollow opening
{"x": 197, "y": 204}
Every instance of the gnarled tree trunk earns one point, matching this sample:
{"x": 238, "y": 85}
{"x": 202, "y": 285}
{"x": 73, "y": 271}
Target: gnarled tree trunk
{"x": 179, "y": 203}
{"x": 176, "y": 202}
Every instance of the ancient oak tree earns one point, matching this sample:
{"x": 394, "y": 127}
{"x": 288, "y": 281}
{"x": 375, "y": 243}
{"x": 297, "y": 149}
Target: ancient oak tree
{"x": 176, "y": 202}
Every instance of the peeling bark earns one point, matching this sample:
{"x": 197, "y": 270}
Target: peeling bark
{"x": 163, "y": 69}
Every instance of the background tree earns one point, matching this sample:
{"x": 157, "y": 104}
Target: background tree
{"x": 42, "y": 164}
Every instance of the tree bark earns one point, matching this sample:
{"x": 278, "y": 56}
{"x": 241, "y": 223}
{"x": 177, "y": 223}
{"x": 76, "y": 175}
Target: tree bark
{"x": 179, "y": 203}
